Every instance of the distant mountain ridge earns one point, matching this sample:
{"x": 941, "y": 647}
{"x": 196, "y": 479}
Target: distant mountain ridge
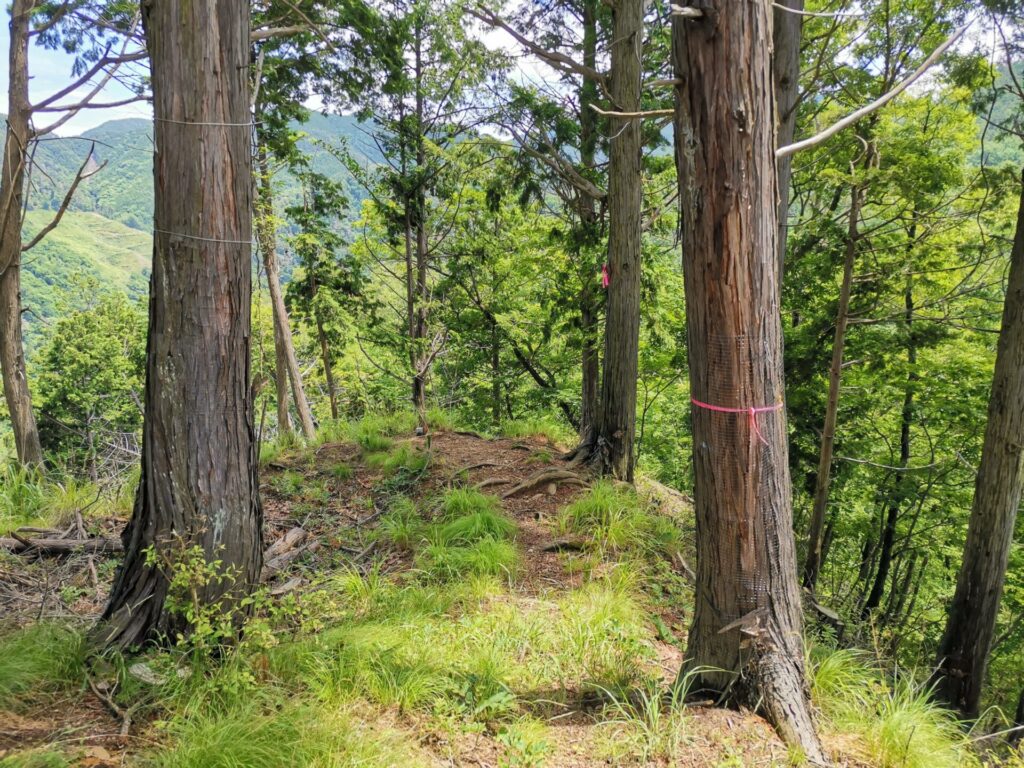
{"x": 123, "y": 189}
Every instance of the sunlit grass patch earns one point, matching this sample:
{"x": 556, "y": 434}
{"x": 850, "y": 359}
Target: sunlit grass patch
{"x": 279, "y": 446}
{"x": 526, "y": 741}
{"x": 28, "y": 498}
{"x": 615, "y": 519}
{"x": 895, "y": 721}
{"x": 484, "y": 557}
{"x": 460, "y": 502}
{"x": 401, "y": 459}
{"x": 441, "y": 419}
{"x": 645, "y": 724}
{"x": 22, "y": 496}
{"x": 610, "y": 515}
{"x": 280, "y": 733}
{"x": 41, "y": 757}
{"x": 288, "y": 483}
{"x": 540, "y": 427}
{"x": 39, "y": 659}
{"x": 473, "y": 527}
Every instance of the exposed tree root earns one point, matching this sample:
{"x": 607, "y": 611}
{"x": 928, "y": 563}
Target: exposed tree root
{"x": 545, "y": 476}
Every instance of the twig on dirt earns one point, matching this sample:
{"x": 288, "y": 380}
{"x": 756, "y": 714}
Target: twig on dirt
{"x": 478, "y": 465}
{"x": 468, "y": 433}
{"x": 488, "y": 482}
{"x": 124, "y": 715}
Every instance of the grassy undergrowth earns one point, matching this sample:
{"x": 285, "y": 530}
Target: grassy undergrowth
{"x": 890, "y": 719}
{"x": 40, "y": 659}
{"x": 29, "y": 498}
{"x": 363, "y": 667}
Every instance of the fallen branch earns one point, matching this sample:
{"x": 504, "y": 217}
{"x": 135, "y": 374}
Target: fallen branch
{"x": 488, "y": 482}
{"x": 293, "y": 538}
{"x": 271, "y": 568}
{"x": 18, "y": 545}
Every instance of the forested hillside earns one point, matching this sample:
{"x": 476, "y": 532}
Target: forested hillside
{"x": 579, "y": 383}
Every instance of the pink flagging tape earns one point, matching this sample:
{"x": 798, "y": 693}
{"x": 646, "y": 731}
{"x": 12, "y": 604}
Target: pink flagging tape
{"x": 751, "y": 412}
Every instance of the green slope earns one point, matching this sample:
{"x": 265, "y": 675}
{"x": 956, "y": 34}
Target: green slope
{"x": 84, "y": 246}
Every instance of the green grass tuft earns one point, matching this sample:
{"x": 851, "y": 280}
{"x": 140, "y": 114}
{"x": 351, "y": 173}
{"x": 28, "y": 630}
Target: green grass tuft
{"x": 549, "y": 429}
{"x": 278, "y": 733}
{"x": 610, "y": 515}
{"x": 340, "y": 471}
{"x": 474, "y": 527}
{"x": 41, "y": 658}
{"x": 22, "y": 496}
{"x": 485, "y": 557}
{"x": 895, "y": 721}
{"x": 460, "y": 502}
{"x": 402, "y": 525}
{"x": 649, "y": 724}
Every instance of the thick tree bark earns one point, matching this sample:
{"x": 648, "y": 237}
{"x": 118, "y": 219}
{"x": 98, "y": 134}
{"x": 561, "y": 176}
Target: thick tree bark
{"x": 12, "y": 187}
{"x": 625, "y": 199}
{"x": 198, "y": 486}
{"x": 815, "y": 536}
{"x": 587, "y": 237}
{"x": 421, "y": 358}
{"x": 787, "y": 27}
{"x": 967, "y": 641}
{"x": 745, "y": 641}
{"x": 286, "y": 371}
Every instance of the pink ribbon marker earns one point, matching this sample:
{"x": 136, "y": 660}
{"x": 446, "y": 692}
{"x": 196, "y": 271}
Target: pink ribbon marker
{"x": 751, "y": 412}
{"x": 605, "y": 279}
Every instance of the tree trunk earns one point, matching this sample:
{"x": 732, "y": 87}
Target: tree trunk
{"x": 495, "y": 375}
{"x": 198, "y": 487}
{"x": 325, "y": 356}
{"x": 787, "y": 28}
{"x": 815, "y": 535}
{"x": 287, "y": 364}
{"x": 745, "y": 641}
{"x": 1018, "y": 721}
{"x": 964, "y": 649}
{"x": 586, "y": 239}
{"x": 12, "y": 187}
{"x": 625, "y": 200}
